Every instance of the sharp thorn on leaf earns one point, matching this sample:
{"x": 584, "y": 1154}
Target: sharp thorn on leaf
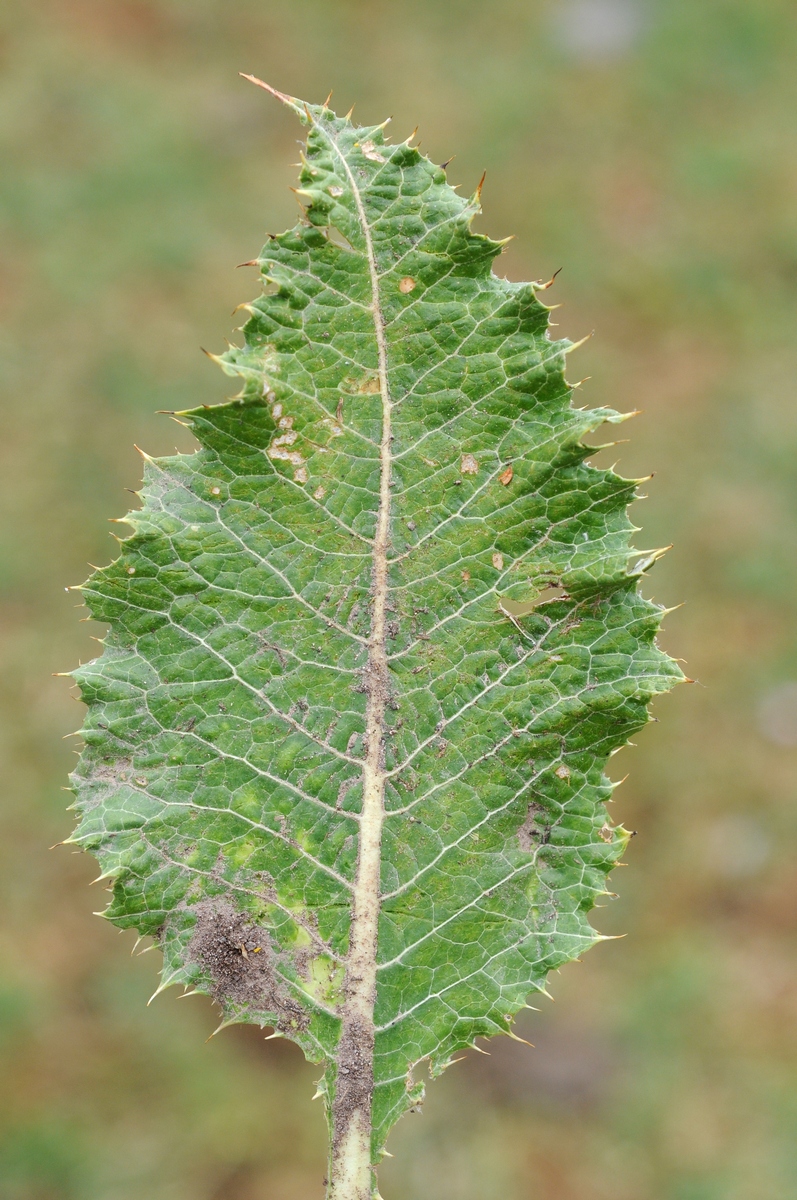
{"x": 542, "y": 287}
{"x": 165, "y": 983}
{"x": 224, "y": 1024}
{"x": 281, "y": 96}
{"x": 575, "y": 345}
{"x": 515, "y": 1038}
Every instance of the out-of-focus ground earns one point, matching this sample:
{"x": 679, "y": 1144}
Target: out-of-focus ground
{"x": 649, "y": 149}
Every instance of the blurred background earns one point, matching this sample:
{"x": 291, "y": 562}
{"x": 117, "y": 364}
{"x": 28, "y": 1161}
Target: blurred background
{"x": 646, "y": 147}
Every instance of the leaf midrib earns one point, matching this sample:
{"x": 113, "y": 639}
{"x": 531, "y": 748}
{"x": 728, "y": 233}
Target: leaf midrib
{"x": 352, "y": 1123}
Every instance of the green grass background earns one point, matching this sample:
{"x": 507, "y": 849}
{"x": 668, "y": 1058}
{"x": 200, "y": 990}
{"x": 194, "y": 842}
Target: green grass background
{"x": 657, "y": 166}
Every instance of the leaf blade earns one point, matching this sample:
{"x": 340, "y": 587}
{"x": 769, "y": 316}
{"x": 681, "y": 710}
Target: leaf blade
{"x": 344, "y": 759}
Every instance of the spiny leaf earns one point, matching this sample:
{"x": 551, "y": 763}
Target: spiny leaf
{"x": 369, "y": 650}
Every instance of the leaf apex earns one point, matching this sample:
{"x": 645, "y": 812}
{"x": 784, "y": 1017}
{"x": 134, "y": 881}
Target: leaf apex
{"x": 288, "y": 101}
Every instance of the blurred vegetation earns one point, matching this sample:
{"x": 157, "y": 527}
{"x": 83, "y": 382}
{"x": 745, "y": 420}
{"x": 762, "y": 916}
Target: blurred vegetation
{"x": 647, "y": 148}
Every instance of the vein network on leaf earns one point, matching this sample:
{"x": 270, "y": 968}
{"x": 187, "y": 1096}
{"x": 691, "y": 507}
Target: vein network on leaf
{"x": 370, "y": 648}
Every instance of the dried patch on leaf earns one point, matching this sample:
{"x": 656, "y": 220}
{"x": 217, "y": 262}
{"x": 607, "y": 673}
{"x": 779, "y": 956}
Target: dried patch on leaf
{"x": 369, "y": 386}
{"x": 370, "y": 151}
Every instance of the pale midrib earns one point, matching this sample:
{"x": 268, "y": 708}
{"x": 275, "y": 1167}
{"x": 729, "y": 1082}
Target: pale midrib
{"x": 351, "y": 1160}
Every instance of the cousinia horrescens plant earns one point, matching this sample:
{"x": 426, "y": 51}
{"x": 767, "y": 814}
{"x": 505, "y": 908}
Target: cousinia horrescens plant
{"x": 370, "y": 648}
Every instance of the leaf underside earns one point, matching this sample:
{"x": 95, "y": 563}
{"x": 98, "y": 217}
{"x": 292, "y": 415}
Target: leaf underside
{"x": 221, "y": 782}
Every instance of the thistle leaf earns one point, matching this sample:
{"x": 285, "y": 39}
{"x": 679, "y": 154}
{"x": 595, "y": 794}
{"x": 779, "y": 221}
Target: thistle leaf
{"x": 370, "y": 648}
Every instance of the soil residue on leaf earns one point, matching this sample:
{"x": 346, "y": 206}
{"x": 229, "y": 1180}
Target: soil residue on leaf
{"x": 238, "y": 956}
{"x": 355, "y": 1078}
{"x": 534, "y": 831}
{"x": 109, "y": 770}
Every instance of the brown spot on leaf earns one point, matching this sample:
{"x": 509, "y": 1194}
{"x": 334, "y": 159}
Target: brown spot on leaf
{"x": 469, "y": 465}
{"x": 498, "y": 561}
{"x": 369, "y": 386}
{"x": 563, "y": 772}
{"x": 407, "y": 284}
{"x": 506, "y": 476}
{"x": 370, "y": 151}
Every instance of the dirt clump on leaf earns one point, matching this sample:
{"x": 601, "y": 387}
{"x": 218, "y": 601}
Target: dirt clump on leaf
{"x": 534, "y": 831}
{"x": 355, "y": 1079}
{"x": 238, "y": 956}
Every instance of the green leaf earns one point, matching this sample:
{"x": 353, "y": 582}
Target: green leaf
{"x": 370, "y": 648}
